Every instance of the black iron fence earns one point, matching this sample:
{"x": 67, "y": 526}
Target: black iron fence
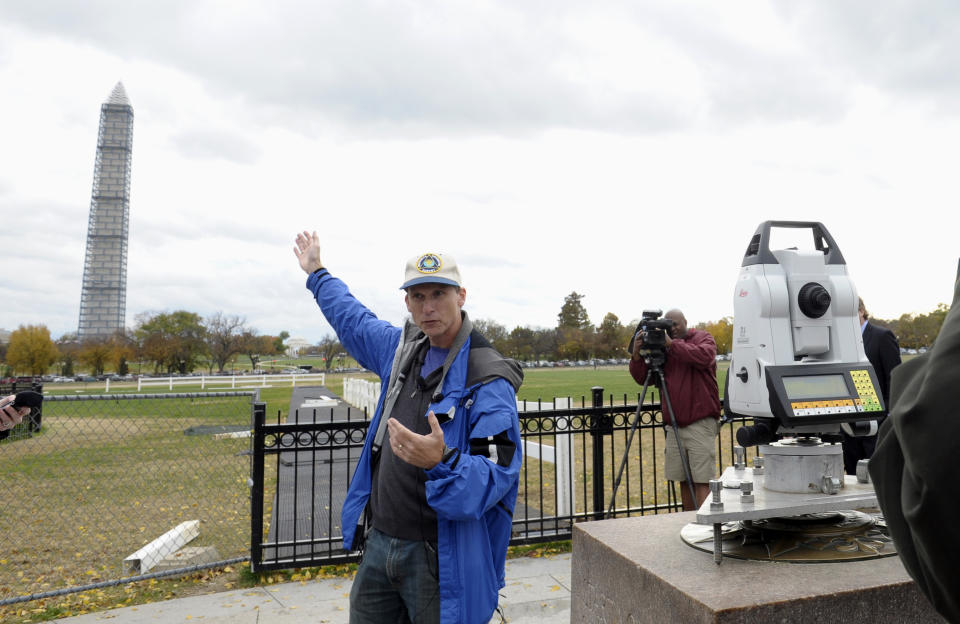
{"x": 115, "y": 488}
{"x": 301, "y": 469}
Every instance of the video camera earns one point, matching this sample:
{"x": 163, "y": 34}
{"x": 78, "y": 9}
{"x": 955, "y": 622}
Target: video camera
{"x": 798, "y": 365}
{"x": 652, "y": 330}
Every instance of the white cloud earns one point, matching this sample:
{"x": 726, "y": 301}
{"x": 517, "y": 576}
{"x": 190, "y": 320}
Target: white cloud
{"x": 624, "y": 151}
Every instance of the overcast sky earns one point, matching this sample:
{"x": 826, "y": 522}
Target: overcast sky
{"x": 624, "y": 150}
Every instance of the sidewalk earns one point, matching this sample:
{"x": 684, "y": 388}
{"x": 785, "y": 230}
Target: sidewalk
{"x": 537, "y": 591}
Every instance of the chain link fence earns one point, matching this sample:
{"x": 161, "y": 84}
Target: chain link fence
{"x": 114, "y": 488}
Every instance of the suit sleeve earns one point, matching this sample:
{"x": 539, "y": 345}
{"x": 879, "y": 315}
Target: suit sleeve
{"x": 369, "y": 340}
{"x": 911, "y": 467}
{"x": 490, "y": 470}
{"x": 889, "y": 357}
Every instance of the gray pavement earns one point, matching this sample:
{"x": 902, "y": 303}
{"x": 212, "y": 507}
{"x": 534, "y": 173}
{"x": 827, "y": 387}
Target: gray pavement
{"x": 537, "y": 591}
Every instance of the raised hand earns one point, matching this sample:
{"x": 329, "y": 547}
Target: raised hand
{"x": 307, "y": 251}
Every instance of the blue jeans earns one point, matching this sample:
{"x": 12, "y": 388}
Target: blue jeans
{"x": 396, "y": 582}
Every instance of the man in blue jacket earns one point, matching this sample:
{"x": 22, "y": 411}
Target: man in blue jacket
{"x": 431, "y": 501}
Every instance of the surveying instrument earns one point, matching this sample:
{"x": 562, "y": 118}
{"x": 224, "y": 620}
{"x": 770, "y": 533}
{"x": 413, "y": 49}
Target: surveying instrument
{"x": 799, "y": 372}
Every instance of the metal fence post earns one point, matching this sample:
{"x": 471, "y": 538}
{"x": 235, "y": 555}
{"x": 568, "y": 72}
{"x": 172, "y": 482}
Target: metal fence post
{"x": 599, "y": 426}
{"x": 256, "y": 486}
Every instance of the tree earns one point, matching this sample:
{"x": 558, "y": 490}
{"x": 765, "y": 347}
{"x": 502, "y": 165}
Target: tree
{"x": 94, "y": 353}
{"x": 576, "y": 344}
{"x": 224, "y": 338}
{"x": 31, "y": 350}
{"x": 255, "y": 347}
{"x": 328, "y": 348}
{"x": 575, "y": 335}
{"x": 494, "y": 332}
{"x": 612, "y": 337}
{"x": 572, "y": 313}
{"x": 932, "y": 322}
{"x": 520, "y": 344}
{"x": 123, "y": 348}
{"x": 174, "y": 341}
{"x": 545, "y": 343}
{"x": 68, "y": 348}
{"x": 278, "y": 345}
{"x": 722, "y": 332}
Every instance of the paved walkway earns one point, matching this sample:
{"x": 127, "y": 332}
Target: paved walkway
{"x": 537, "y": 591}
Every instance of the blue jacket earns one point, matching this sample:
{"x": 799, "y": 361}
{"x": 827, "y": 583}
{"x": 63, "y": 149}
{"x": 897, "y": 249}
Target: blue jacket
{"x": 474, "y": 493}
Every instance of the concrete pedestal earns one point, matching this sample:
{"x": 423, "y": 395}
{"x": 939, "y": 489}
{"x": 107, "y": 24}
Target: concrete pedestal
{"x": 638, "y": 570}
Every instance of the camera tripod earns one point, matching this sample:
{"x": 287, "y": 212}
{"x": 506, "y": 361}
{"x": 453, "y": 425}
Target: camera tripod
{"x": 655, "y": 376}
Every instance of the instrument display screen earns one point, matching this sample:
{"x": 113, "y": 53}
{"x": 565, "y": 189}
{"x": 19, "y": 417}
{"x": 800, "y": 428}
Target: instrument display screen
{"x": 816, "y": 387}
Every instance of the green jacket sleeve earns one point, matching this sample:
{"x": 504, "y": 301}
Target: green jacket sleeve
{"x": 913, "y": 466}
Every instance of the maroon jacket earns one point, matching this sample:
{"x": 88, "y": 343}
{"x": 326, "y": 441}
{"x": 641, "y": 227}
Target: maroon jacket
{"x": 691, "y": 373}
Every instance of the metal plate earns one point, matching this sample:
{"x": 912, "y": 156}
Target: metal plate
{"x": 809, "y": 538}
{"x": 769, "y": 504}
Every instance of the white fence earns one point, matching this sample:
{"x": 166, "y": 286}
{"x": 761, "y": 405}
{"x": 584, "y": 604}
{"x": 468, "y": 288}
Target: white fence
{"x": 231, "y": 381}
{"x": 363, "y": 394}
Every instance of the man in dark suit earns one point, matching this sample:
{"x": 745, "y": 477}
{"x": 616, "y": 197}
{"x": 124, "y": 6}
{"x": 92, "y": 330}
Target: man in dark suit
{"x": 883, "y": 351}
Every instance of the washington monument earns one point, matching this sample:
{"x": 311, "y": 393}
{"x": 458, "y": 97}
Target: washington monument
{"x": 103, "y": 300}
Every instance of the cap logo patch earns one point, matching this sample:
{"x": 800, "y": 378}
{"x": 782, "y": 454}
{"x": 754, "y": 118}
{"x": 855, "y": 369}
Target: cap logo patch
{"x": 428, "y": 263}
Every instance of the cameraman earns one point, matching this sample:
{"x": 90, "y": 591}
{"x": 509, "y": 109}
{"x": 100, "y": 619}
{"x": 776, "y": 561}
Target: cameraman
{"x": 690, "y": 375}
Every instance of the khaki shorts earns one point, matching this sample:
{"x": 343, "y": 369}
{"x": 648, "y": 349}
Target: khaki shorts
{"x": 700, "y": 442}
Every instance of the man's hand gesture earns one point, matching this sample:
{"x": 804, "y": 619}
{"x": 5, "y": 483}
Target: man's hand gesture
{"x": 307, "y": 251}
{"x": 423, "y": 451}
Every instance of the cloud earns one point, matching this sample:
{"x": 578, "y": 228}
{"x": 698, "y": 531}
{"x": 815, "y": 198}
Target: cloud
{"x": 415, "y": 69}
{"x": 214, "y": 144}
{"x": 905, "y": 48}
{"x": 623, "y": 150}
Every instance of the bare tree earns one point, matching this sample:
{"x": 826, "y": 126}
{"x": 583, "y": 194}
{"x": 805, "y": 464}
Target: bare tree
{"x": 328, "y": 348}
{"x": 224, "y": 338}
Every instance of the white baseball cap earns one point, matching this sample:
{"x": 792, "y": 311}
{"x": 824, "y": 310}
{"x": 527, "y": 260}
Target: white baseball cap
{"x": 431, "y": 268}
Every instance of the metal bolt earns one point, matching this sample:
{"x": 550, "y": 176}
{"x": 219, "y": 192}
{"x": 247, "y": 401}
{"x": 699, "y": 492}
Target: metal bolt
{"x": 716, "y": 487}
{"x": 830, "y": 484}
{"x": 758, "y": 465}
{"x": 863, "y": 475}
{"x": 739, "y": 454}
{"x": 746, "y": 492}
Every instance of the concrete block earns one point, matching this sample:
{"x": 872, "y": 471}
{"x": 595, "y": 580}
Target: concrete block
{"x": 639, "y": 570}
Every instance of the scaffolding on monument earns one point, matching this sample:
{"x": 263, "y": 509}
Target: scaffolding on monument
{"x": 103, "y": 299}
